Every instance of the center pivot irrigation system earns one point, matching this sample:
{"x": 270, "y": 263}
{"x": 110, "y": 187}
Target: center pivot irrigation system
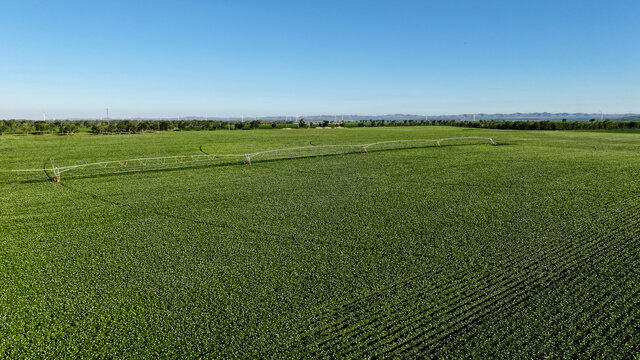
{"x": 166, "y": 162}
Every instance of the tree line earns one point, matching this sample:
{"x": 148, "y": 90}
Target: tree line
{"x": 547, "y": 125}
{"x": 513, "y": 125}
{"x": 140, "y": 126}
{"x": 127, "y": 126}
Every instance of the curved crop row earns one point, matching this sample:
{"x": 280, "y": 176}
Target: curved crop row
{"x": 359, "y": 327}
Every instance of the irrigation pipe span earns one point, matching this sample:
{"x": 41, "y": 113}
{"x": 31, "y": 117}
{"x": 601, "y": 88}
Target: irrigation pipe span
{"x": 57, "y": 170}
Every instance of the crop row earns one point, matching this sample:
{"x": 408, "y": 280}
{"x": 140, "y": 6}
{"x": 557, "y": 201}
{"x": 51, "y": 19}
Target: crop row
{"x": 450, "y": 306}
{"x": 580, "y": 319}
{"x": 602, "y": 252}
{"x": 486, "y": 306}
{"x": 567, "y": 261}
{"x": 583, "y": 285}
{"x": 448, "y": 252}
{"x": 595, "y": 291}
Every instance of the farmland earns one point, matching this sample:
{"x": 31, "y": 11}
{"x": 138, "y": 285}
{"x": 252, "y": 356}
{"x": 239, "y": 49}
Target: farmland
{"x": 525, "y": 249}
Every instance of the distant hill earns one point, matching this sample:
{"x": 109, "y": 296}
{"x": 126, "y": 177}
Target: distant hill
{"x": 462, "y": 117}
{"x": 401, "y": 117}
{"x": 479, "y": 116}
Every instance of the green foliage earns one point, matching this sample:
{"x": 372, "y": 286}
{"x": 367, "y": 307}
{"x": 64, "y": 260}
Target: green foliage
{"x": 68, "y": 128}
{"x": 528, "y": 249}
{"x": 141, "y": 126}
{"x": 543, "y": 125}
{"x": 41, "y": 126}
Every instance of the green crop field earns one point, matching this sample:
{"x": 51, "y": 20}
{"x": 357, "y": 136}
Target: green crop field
{"x": 528, "y": 249}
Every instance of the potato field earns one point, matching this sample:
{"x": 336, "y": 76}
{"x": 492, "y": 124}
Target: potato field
{"x": 527, "y": 249}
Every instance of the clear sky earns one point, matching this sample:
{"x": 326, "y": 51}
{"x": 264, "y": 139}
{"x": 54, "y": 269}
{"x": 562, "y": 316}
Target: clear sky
{"x": 226, "y": 58}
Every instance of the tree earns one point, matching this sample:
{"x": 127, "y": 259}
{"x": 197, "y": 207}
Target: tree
{"x": 41, "y": 126}
{"x": 58, "y": 124}
{"x": 302, "y": 123}
{"x": 25, "y": 127}
{"x": 126, "y": 126}
{"x": 69, "y": 128}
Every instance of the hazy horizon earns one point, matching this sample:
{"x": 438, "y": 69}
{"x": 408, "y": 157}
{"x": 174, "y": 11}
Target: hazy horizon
{"x": 354, "y": 117}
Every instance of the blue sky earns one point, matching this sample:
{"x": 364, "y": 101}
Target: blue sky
{"x": 227, "y": 58}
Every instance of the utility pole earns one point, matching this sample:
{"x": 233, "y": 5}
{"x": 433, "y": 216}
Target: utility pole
{"x": 107, "y": 114}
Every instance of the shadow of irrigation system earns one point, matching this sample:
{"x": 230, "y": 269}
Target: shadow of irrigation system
{"x": 175, "y": 163}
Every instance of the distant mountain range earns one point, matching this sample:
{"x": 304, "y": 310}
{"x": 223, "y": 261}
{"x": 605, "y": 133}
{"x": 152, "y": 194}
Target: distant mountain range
{"x": 401, "y": 117}
{"x": 463, "y": 117}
